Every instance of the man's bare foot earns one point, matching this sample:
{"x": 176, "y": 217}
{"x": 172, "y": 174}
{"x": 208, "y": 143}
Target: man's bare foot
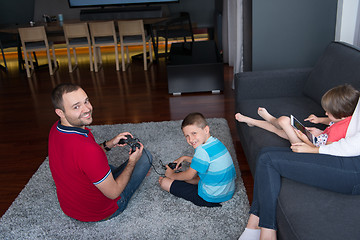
{"x": 244, "y": 119}
{"x": 148, "y": 172}
{"x": 265, "y": 114}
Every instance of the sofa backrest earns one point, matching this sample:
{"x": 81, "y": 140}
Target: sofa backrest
{"x": 339, "y": 64}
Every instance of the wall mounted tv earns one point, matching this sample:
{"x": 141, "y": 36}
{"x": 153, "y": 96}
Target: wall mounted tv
{"x": 103, "y": 3}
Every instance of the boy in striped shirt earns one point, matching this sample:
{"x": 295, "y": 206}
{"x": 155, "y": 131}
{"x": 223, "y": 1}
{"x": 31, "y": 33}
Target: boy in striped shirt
{"x": 210, "y": 179}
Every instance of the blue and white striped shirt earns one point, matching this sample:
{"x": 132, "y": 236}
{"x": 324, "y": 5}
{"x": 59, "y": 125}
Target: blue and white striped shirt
{"x": 216, "y": 170}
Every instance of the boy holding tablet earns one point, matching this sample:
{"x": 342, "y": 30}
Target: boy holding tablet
{"x": 339, "y": 104}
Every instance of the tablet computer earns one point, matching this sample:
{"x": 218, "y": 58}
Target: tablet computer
{"x": 296, "y": 124}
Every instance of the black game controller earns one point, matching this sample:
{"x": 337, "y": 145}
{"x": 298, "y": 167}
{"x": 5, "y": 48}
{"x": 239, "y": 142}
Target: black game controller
{"x": 132, "y": 142}
{"x": 172, "y": 165}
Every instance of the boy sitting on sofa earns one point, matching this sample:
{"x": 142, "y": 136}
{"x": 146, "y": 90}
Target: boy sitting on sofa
{"x": 210, "y": 179}
{"x": 339, "y": 104}
{"x": 318, "y": 170}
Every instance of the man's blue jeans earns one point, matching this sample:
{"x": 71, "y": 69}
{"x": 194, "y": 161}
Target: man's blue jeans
{"x": 141, "y": 169}
{"x": 338, "y": 174}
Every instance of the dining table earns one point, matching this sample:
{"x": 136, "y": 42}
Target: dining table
{"x": 55, "y": 33}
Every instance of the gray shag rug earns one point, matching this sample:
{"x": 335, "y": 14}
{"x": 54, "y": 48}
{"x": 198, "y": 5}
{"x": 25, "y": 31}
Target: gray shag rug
{"x": 151, "y": 214}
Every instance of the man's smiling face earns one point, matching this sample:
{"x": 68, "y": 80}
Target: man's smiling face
{"x": 77, "y": 109}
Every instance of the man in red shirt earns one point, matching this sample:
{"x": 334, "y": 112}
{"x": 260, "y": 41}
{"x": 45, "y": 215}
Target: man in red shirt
{"x": 88, "y": 189}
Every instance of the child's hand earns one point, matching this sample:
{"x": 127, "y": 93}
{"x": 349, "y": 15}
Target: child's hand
{"x": 312, "y": 118}
{"x": 169, "y": 172}
{"x": 301, "y": 136}
{"x": 314, "y": 131}
{"x": 182, "y": 159}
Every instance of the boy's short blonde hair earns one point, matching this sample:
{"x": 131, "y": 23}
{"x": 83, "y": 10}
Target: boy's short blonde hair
{"x": 194, "y": 119}
{"x": 340, "y": 101}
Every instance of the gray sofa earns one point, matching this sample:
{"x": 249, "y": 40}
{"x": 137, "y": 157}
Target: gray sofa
{"x": 303, "y": 212}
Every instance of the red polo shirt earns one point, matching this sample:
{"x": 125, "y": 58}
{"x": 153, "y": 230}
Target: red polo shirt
{"x": 77, "y": 164}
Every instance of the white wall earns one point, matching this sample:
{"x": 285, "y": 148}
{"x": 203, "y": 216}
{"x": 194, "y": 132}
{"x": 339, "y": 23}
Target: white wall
{"x": 347, "y": 21}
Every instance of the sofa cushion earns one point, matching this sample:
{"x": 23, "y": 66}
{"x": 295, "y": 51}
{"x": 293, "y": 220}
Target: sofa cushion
{"x": 270, "y": 84}
{"x": 306, "y": 212}
{"x": 338, "y": 65}
{"x": 253, "y": 138}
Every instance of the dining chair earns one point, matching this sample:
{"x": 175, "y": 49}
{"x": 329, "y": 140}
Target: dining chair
{"x": 34, "y": 39}
{"x": 132, "y": 33}
{"x": 177, "y": 26}
{"x": 77, "y": 35}
{"x": 103, "y": 34}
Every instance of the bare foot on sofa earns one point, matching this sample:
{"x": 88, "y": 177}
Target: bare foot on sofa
{"x": 244, "y": 119}
{"x": 265, "y": 115}
{"x": 270, "y": 119}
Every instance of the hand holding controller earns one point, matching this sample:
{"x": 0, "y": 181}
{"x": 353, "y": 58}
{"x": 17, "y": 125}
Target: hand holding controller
{"x": 172, "y": 165}
{"x": 132, "y": 142}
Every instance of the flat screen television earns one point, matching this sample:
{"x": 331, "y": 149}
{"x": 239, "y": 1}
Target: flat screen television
{"x": 104, "y": 3}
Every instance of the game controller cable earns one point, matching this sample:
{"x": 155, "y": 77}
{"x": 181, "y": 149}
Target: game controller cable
{"x": 163, "y": 166}
{"x": 134, "y": 143}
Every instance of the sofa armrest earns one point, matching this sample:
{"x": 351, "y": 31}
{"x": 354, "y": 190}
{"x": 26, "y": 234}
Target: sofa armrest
{"x": 270, "y": 84}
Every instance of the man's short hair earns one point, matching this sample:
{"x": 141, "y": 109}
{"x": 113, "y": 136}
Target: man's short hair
{"x": 194, "y": 119}
{"x": 58, "y": 92}
{"x": 340, "y": 101}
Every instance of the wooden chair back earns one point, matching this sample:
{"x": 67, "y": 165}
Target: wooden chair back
{"x": 33, "y": 34}
{"x": 102, "y": 29}
{"x": 76, "y": 30}
{"x": 131, "y": 28}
